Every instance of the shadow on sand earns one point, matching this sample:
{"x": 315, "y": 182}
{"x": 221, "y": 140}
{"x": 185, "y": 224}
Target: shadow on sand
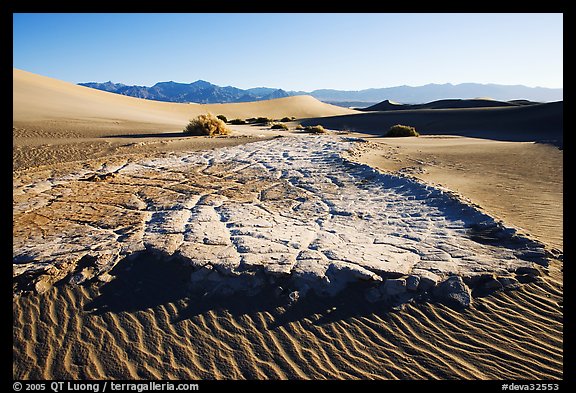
{"x": 177, "y": 134}
{"x": 527, "y": 123}
{"x": 144, "y": 282}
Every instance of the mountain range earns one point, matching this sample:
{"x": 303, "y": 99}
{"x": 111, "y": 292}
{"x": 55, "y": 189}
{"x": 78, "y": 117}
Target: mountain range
{"x": 207, "y": 93}
{"x": 200, "y": 91}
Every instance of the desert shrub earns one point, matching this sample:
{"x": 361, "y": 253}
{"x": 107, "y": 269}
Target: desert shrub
{"x": 237, "y": 121}
{"x": 285, "y": 119}
{"x": 263, "y": 120}
{"x": 259, "y": 120}
{"x": 207, "y": 124}
{"x": 279, "y": 126}
{"x": 401, "y": 130}
{"x": 317, "y": 129}
{"x": 223, "y": 118}
{"x": 300, "y": 127}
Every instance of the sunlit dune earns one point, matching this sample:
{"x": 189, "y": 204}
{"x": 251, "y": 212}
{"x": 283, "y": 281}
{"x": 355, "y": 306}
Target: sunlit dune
{"x": 49, "y": 103}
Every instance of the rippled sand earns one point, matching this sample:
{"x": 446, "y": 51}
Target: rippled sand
{"x": 145, "y": 324}
{"x": 511, "y": 335}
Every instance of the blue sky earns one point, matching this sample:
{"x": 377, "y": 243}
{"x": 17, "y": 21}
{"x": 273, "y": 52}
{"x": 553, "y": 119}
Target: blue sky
{"x": 293, "y": 51}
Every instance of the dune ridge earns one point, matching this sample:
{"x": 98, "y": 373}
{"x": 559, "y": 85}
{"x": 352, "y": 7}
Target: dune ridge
{"x": 56, "y": 121}
{"x": 52, "y": 104}
{"x": 388, "y": 105}
{"x": 538, "y": 122}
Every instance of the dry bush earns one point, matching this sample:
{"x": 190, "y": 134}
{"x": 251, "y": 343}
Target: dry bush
{"x": 208, "y": 125}
{"x": 401, "y": 130}
{"x": 259, "y": 120}
{"x": 279, "y": 126}
{"x": 317, "y": 129}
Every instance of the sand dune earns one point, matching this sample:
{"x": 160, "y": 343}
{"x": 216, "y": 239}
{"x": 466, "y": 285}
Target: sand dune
{"x": 50, "y": 104}
{"x": 516, "y": 123}
{"x": 388, "y": 105}
{"x": 55, "y": 121}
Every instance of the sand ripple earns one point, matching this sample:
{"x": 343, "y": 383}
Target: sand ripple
{"x": 508, "y": 335}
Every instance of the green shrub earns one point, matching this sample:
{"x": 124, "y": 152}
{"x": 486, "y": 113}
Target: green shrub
{"x": 208, "y": 125}
{"x": 223, "y": 118}
{"x": 237, "y": 121}
{"x": 279, "y": 126}
{"x": 317, "y": 129}
{"x": 401, "y": 130}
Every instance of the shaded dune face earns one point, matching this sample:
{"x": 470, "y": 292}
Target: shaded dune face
{"x": 239, "y": 217}
{"x": 538, "y": 122}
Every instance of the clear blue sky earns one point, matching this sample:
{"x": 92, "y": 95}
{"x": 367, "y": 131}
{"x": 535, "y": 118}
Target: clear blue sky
{"x": 293, "y": 51}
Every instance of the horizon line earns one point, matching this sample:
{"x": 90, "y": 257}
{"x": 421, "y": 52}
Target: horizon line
{"x": 307, "y": 91}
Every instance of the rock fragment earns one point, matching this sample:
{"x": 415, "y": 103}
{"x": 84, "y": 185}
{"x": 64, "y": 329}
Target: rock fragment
{"x": 453, "y": 292}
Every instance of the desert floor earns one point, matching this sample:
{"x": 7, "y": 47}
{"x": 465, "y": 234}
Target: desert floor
{"x": 510, "y": 335}
{"x": 145, "y": 324}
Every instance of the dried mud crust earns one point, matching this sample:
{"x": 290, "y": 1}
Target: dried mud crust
{"x": 291, "y": 208}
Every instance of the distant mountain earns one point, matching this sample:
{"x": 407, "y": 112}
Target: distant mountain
{"x": 435, "y": 92}
{"x": 106, "y": 86}
{"x": 260, "y": 91}
{"x": 208, "y": 93}
{"x": 200, "y": 91}
{"x": 351, "y": 104}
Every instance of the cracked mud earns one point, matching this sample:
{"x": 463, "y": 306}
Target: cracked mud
{"x": 291, "y": 208}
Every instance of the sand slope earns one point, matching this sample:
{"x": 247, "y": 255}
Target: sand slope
{"x": 518, "y": 182}
{"x": 42, "y": 102}
{"x": 513, "y": 123}
{"x": 55, "y": 121}
{"x": 388, "y": 105}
